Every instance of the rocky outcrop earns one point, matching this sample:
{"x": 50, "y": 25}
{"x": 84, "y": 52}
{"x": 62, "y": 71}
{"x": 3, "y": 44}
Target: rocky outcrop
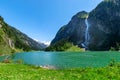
{"x": 74, "y": 31}
{"x": 104, "y": 25}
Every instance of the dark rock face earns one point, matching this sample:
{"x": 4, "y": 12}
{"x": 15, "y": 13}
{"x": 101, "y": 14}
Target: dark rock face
{"x": 74, "y": 31}
{"x": 104, "y": 25}
{"x": 103, "y": 29}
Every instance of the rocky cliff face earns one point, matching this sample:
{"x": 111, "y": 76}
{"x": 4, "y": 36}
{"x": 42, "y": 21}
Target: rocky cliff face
{"x": 104, "y": 25}
{"x": 74, "y": 31}
{"x": 12, "y": 39}
{"x": 103, "y": 31}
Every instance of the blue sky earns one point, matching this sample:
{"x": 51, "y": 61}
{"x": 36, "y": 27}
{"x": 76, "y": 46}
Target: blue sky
{"x": 41, "y": 19}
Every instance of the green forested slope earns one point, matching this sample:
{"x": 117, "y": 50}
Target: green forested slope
{"x": 12, "y": 40}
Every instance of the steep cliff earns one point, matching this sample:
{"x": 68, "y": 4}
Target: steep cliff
{"x": 74, "y": 31}
{"x": 12, "y": 40}
{"x": 100, "y": 30}
{"x": 104, "y": 22}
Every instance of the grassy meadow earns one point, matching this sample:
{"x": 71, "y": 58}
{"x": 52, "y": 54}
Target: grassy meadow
{"x": 12, "y": 71}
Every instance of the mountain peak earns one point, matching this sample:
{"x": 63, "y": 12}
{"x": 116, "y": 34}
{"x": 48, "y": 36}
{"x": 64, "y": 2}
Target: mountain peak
{"x": 102, "y": 24}
{"x": 74, "y": 31}
{"x": 82, "y": 14}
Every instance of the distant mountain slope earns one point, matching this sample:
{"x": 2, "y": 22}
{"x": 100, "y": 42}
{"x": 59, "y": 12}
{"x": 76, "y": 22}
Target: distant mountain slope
{"x": 12, "y": 40}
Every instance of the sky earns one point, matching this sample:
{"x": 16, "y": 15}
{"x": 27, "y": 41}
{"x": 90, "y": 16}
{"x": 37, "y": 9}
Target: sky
{"x": 41, "y": 19}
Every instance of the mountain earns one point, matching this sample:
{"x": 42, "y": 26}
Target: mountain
{"x": 104, "y": 25}
{"x": 74, "y": 31}
{"x": 97, "y": 30}
{"x": 69, "y": 35}
{"x": 12, "y": 40}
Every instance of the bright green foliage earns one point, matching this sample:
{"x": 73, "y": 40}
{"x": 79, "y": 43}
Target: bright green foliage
{"x": 4, "y": 49}
{"x": 63, "y": 45}
{"x": 83, "y": 16}
{"x": 9, "y": 33}
{"x": 24, "y": 72}
{"x": 75, "y": 49}
{"x": 12, "y": 40}
{"x": 17, "y": 36}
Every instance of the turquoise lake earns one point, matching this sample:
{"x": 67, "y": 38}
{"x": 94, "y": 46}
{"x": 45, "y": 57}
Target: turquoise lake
{"x": 68, "y": 59}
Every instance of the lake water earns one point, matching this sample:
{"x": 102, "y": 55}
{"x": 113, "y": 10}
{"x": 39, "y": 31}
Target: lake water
{"x": 68, "y": 59}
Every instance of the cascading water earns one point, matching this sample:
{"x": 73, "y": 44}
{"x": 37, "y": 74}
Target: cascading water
{"x": 87, "y": 31}
{"x": 87, "y": 36}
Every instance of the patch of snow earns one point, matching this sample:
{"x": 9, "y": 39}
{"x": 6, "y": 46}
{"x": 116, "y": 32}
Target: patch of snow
{"x": 47, "y": 43}
{"x": 36, "y": 40}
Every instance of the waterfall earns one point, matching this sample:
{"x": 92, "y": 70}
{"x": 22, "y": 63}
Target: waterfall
{"x": 87, "y": 31}
{"x": 87, "y": 36}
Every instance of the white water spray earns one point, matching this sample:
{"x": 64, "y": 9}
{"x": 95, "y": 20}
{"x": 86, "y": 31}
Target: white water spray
{"x": 87, "y": 36}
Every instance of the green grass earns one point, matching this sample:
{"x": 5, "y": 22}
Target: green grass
{"x": 75, "y": 49}
{"x": 24, "y": 72}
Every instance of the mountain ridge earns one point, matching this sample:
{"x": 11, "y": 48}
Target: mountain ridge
{"x": 70, "y": 32}
{"x": 13, "y": 40}
{"x": 103, "y": 22}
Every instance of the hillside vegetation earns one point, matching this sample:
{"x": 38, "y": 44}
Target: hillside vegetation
{"x": 64, "y": 45}
{"x": 12, "y": 40}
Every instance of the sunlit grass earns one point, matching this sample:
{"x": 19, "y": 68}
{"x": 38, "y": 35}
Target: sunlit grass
{"x": 75, "y": 49}
{"x": 24, "y": 72}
